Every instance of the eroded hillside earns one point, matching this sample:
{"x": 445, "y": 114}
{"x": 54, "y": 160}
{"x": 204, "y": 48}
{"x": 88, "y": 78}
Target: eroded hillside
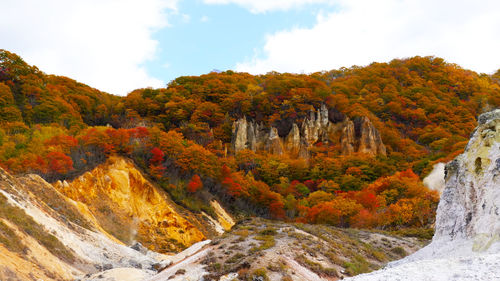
{"x": 47, "y": 235}
{"x": 131, "y": 208}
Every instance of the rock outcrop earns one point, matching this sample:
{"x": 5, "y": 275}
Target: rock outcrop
{"x": 470, "y": 203}
{"x": 468, "y": 214}
{"x": 466, "y": 243}
{"x": 326, "y": 126}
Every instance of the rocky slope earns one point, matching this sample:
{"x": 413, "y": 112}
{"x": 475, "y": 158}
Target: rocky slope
{"x": 327, "y": 126}
{"x": 91, "y": 225}
{"x": 131, "y": 208}
{"x": 466, "y": 244}
{"x": 45, "y": 235}
{"x": 257, "y": 249}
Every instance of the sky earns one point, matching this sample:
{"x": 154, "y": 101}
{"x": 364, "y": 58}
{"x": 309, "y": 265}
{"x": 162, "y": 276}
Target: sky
{"x": 121, "y": 45}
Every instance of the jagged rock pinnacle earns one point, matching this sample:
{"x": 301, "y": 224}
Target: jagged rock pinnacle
{"x": 353, "y": 136}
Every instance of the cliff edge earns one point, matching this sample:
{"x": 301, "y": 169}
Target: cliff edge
{"x": 324, "y": 125}
{"x": 466, "y": 243}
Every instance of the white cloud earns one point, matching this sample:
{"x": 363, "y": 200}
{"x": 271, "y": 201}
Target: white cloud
{"x": 261, "y": 6}
{"x": 102, "y": 43}
{"x": 204, "y": 19}
{"x": 363, "y": 31}
{"x": 186, "y": 18}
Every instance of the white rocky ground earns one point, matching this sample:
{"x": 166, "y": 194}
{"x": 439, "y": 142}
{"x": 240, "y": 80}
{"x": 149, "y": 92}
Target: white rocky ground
{"x": 186, "y": 261}
{"x": 481, "y": 267}
{"x": 466, "y": 244}
{"x": 121, "y": 274}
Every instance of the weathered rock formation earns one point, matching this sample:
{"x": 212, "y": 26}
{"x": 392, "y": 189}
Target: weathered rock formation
{"x": 466, "y": 243}
{"x": 470, "y": 203}
{"x": 326, "y": 126}
{"x": 468, "y": 214}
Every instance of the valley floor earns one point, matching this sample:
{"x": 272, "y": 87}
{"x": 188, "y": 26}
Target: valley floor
{"x": 281, "y": 251}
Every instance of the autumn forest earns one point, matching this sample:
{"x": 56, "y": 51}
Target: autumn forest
{"x": 183, "y": 136}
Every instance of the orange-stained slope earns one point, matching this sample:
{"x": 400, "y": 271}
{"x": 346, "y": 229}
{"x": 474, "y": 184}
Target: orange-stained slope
{"x": 131, "y": 208}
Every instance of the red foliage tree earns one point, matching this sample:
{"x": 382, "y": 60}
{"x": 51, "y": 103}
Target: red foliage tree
{"x": 368, "y": 199}
{"x": 312, "y": 185}
{"x": 155, "y": 162}
{"x": 157, "y": 156}
{"x": 276, "y": 208}
{"x": 366, "y": 219}
{"x": 235, "y": 184}
{"x": 59, "y": 162}
{"x": 194, "y": 184}
{"x": 338, "y": 212}
{"x": 120, "y": 139}
{"x": 65, "y": 142}
{"x": 139, "y": 132}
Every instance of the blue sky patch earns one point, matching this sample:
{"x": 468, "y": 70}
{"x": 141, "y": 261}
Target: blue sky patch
{"x": 202, "y": 38}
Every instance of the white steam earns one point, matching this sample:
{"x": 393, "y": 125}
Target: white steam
{"x": 435, "y": 180}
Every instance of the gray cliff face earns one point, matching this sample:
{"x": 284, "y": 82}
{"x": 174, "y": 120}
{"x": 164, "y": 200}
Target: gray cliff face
{"x": 358, "y": 136}
{"x": 370, "y": 141}
{"x": 468, "y": 214}
{"x": 470, "y": 204}
{"x": 348, "y": 139}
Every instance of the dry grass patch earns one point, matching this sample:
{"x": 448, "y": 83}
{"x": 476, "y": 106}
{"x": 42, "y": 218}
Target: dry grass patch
{"x": 316, "y": 267}
{"x": 9, "y": 239}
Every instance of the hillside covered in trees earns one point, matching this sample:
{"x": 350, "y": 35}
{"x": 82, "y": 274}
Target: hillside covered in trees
{"x": 423, "y": 108}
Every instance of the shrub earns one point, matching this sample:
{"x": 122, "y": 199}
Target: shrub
{"x": 421, "y": 233}
{"x": 399, "y": 251}
{"x": 268, "y": 240}
{"x": 235, "y": 258}
{"x": 268, "y": 231}
{"x": 357, "y": 266}
{"x": 195, "y": 184}
{"x": 261, "y": 272}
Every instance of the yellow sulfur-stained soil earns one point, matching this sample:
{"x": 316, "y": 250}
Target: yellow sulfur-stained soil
{"x": 130, "y": 208}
